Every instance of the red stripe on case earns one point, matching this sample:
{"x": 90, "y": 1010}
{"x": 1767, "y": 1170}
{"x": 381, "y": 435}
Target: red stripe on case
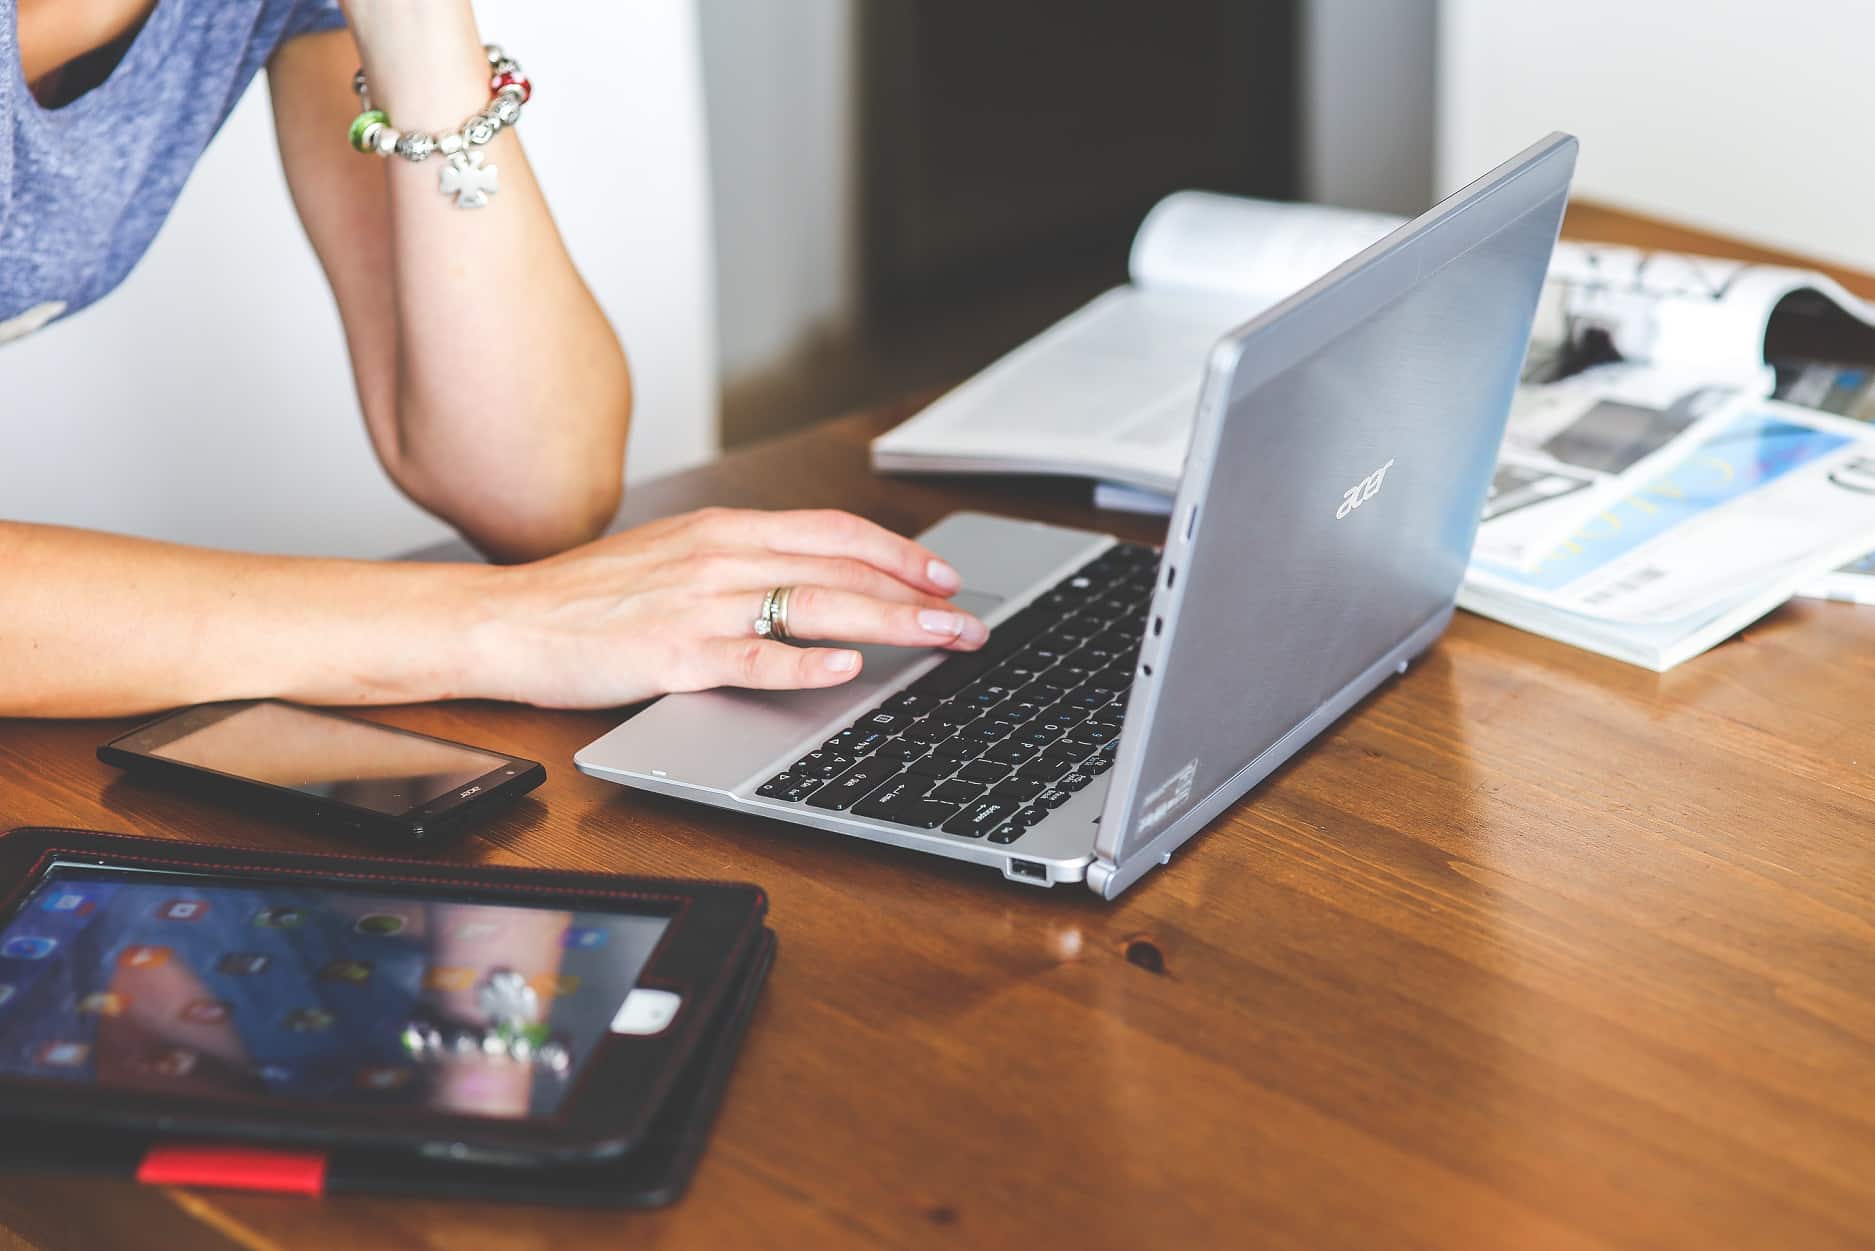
{"x": 235, "y": 1168}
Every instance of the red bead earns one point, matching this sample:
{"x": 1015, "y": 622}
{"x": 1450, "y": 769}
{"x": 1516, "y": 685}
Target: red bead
{"x": 512, "y": 79}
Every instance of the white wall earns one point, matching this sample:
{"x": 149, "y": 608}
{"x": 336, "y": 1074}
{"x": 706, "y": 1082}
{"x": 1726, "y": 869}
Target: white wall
{"x": 1369, "y": 103}
{"x": 780, "y": 86}
{"x": 1749, "y": 118}
{"x": 209, "y": 399}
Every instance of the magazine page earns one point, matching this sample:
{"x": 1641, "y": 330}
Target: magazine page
{"x": 1574, "y": 447}
{"x": 1200, "y": 241}
{"x": 1699, "y": 313}
{"x": 1848, "y": 390}
{"x": 1765, "y": 487}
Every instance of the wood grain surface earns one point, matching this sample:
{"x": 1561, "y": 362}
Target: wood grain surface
{"x": 1533, "y": 949}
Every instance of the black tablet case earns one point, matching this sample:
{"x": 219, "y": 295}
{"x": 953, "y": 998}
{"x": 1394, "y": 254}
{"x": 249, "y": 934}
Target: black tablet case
{"x": 652, "y": 1176}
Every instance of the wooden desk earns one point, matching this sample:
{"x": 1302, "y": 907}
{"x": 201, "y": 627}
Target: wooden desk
{"x": 1533, "y": 950}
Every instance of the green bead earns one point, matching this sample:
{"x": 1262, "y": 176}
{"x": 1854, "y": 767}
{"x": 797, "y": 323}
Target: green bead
{"x": 363, "y": 121}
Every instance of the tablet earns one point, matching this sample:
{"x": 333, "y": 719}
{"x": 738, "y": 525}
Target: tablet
{"x": 464, "y": 1013}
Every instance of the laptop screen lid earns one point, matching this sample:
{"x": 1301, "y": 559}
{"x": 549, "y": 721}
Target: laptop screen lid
{"x": 1344, "y": 443}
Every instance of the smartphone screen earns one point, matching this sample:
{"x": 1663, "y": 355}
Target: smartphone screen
{"x": 330, "y": 757}
{"x": 184, "y": 983}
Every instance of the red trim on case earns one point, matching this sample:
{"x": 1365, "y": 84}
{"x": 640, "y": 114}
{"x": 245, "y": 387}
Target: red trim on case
{"x": 235, "y": 1168}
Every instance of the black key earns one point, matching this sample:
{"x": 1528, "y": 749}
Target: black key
{"x": 961, "y": 670}
{"x": 1066, "y": 676}
{"x": 1043, "y": 693}
{"x": 1111, "y": 679}
{"x": 1074, "y": 782}
{"x": 1121, "y": 640}
{"x": 854, "y": 743}
{"x": 987, "y": 693}
{"x": 1009, "y": 753}
{"x": 955, "y": 792}
{"x": 1086, "y": 699}
{"x": 931, "y": 767}
{"x": 847, "y": 789}
{"x": 789, "y": 786}
{"x": 984, "y": 771}
{"x": 1042, "y": 771}
{"x": 899, "y": 753}
{"x": 1056, "y": 641}
{"x": 925, "y": 814}
{"x": 1062, "y": 759}
{"x": 956, "y": 752}
{"x": 1038, "y": 736}
{"x": 1031, "y": 816}
{"x": 1092, "y": 734}
{"x": 1098, "y": 654}
{"x": 1008, "y": 832}
{"x": 905, "y": 701}
{"x": 1063, "y": 712}
{"x": 955, "y": 712}
{"x": 1050, "y": 798}
{"x": 895, "y": 793}
{"x": 884, "y": 722}
{"x": 988, "y": 730}
{"x": 821, "y": 764}
{"x": 1079, "y": 628}
{"x": 928, "y": 733}
{"x": 1097, "y": 764}
{"x": 1046, "y": 657}
{"x": 979, "y": 818}
{"x": 1017, "y": 791}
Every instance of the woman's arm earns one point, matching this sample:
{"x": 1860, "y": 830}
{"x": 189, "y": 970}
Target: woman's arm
{"x": 496, "y": 394}
{"x": 99, "y": 625}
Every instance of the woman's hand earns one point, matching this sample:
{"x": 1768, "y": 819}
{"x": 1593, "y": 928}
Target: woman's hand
{"x": 670, "y": 606}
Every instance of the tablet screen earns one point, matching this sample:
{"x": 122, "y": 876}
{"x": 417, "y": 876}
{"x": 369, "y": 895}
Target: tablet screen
{"x": 195, "y": 984}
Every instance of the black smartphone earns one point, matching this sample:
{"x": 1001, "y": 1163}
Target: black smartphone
{"x": 462, "y": 1013}
{"x": 336, "y": 772}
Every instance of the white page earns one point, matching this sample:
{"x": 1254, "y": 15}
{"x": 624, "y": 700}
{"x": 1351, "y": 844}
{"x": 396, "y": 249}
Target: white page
{"x": 1198, "y": 241}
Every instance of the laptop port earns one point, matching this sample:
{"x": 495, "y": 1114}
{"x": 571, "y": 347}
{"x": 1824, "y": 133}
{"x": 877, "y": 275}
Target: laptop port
{"x": 1032, "y": 870}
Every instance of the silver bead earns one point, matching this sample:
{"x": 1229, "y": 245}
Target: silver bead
{"x": 449, "y": 144}
{"x": 494, "y": 123}
{"x": 358, "y": 82}
{"x": 476, "y": 131}
{"x": 507, "y": 108}
{"x": 369, "y": 137}
{"x": 387, "y": 140}
{"x": 507, "y": 67}
{"x": 495, "y": 55}
{"x": 416, "y": 146}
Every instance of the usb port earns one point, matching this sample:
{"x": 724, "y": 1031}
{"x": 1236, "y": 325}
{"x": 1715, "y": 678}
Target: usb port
{"x": 1033, "y": 870}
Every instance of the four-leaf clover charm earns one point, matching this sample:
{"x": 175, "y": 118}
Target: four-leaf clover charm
{"x": 469, "y": 180}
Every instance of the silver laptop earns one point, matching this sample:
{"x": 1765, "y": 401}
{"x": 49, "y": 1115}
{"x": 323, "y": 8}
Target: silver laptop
{"x": 1343, "y": 446}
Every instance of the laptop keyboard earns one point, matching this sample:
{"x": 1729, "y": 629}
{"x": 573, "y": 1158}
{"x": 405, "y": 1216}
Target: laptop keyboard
{"x": 990, "y": 742}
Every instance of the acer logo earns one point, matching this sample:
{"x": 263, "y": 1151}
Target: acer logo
{"x": 1363, "y": 491}
{"x": 467, "y": 793}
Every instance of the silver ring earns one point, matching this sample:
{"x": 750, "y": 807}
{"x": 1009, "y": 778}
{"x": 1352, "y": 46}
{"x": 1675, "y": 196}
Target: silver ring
{"x": 765, "y": 616}
{"x": 779, "y": 618}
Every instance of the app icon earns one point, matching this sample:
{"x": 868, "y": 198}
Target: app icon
{"x": 138, "y": 956}
{"x": 183, "y": 910}
{"x": 243, "y": 963}
{"x": 64, "y": 1055}
{"x": 103, "y": 1003}
{"x": 382, "y": 1078}
{"x": 205, "y": 1012}
{"x": 171, "y": 1062}
{"x": 380, "y": 924}
{"x": 446, "y": 978}
{"x": 309, "y": 1020}
{"x": 584, "y": 937}
{"x": 354, "y": 971}
{"x": 279, "y": 918}
{"x": 477, "y": 931}
{"x": 71, "y": 902}
{"x": 29, "y": 948}
{"x": 556, "y": 985}
{"x": 7, "y": 991}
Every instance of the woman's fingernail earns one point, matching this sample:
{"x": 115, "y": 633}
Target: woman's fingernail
{"x": 948, "y": 624}
{"x": 943, "y": 575}
{"x": 842, "y": 662}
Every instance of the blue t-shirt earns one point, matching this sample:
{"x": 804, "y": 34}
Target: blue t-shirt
{"x": 85, "y": 187}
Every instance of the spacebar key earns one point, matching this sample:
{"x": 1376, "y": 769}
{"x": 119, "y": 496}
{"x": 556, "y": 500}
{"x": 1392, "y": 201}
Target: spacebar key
{"x": 850, "y": 787}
